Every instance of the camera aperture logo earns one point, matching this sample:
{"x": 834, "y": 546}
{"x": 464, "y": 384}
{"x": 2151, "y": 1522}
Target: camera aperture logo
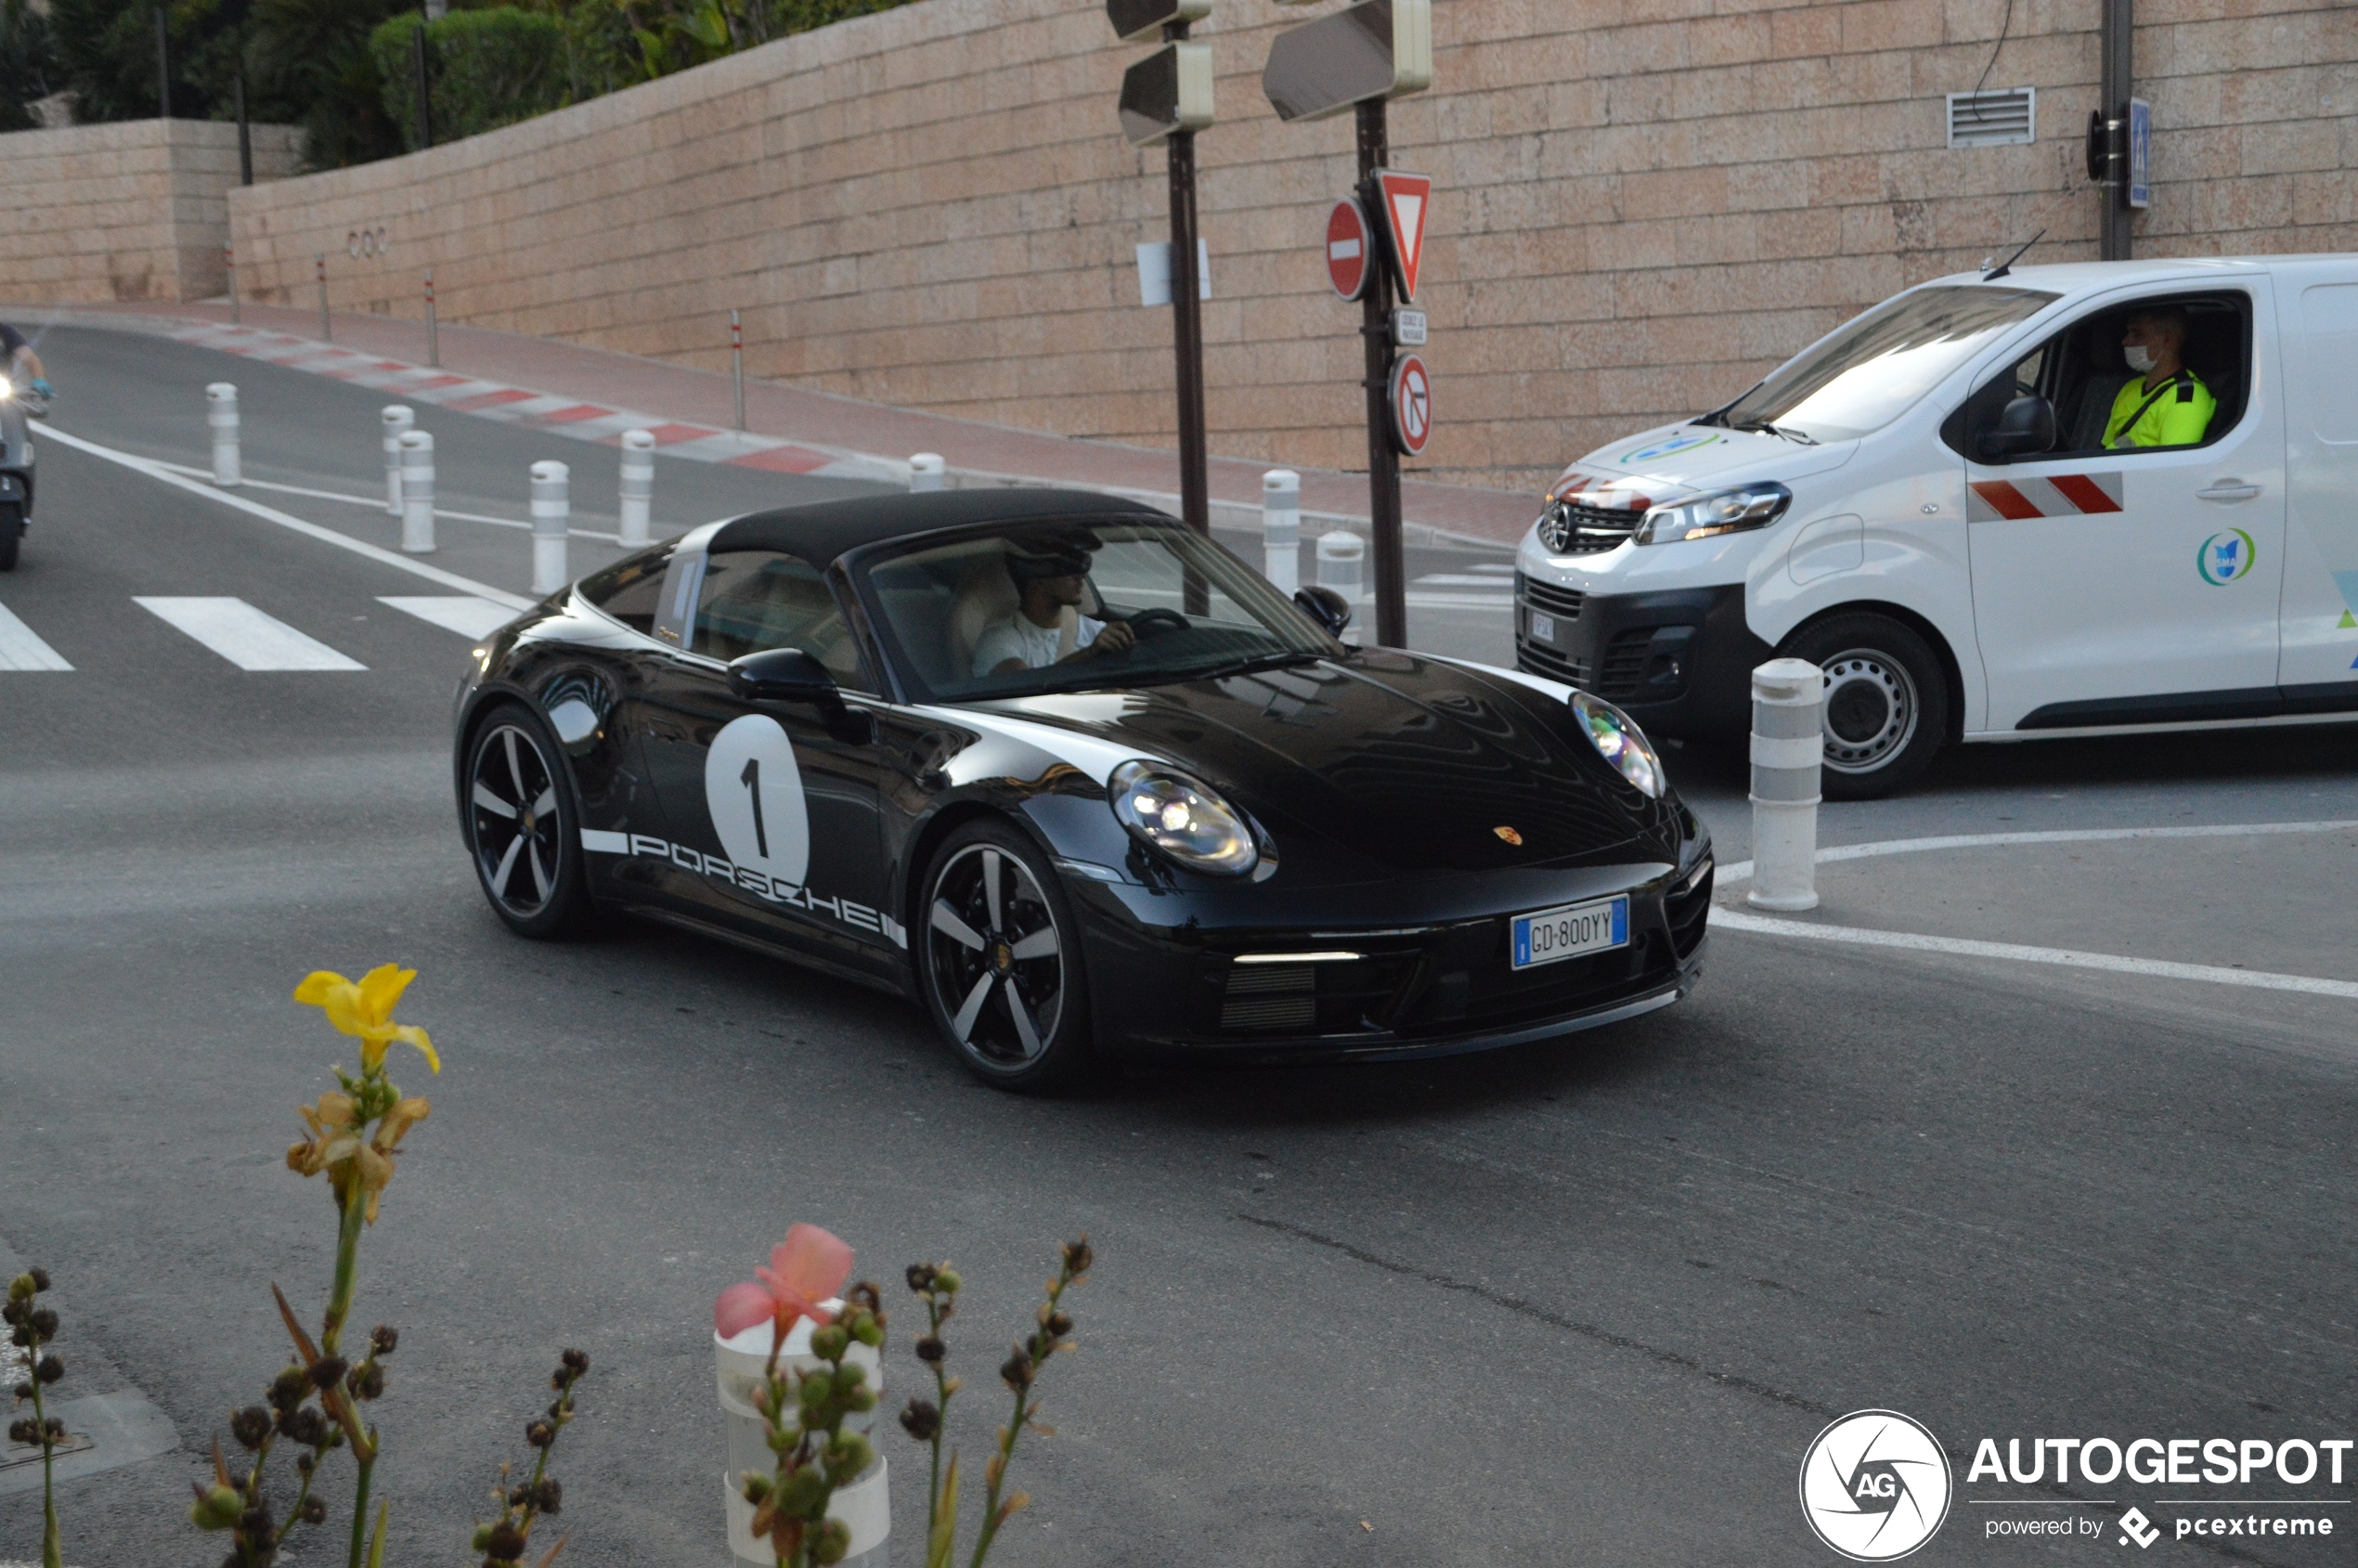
{"x": 1875, "y": 1485}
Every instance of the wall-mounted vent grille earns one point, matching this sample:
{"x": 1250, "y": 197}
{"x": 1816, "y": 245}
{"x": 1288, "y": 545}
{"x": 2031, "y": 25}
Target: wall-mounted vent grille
{"x": 2000, "y": 119}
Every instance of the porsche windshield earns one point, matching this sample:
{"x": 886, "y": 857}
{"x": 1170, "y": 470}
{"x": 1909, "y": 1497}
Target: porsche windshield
{"x": 1875, "y": 370}
{"x": 1065, "y": 607}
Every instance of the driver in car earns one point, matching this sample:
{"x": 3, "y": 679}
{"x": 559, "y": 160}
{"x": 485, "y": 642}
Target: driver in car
{"x": 2170, "y": 407}
{"x": 1050, "y": 578}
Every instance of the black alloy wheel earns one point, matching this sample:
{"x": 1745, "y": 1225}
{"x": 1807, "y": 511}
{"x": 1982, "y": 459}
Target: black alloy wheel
{"x": 520, "y": 825}
{"x": 1887, "y": 710}
{"x": 1001, "y": 965}
{"x": 11, "y": 533}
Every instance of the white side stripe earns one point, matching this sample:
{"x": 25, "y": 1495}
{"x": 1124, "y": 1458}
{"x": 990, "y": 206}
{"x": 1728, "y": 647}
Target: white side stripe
{"x": 461, "y": 613}
{"x": 245, "y": 636}
{"x": 21, "y": 649}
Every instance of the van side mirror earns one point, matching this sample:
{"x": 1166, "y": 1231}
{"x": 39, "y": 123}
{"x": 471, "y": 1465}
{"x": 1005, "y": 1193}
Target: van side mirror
{"x": 2026, "y": 428}
{"x": 1326, "y": 606}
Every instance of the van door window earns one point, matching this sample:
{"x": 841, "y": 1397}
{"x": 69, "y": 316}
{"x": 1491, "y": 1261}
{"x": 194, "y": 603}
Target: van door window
{"x": 2084, "y": 375}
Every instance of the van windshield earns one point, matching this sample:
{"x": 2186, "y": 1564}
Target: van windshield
{"x": 1875, "y": 369}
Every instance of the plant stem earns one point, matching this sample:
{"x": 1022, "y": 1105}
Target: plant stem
{"x": 52, "y": 1549}
{"x": 356, "y": 1205}
{"x": 941, "y": 1398}
{"x": 361, "y": 1513}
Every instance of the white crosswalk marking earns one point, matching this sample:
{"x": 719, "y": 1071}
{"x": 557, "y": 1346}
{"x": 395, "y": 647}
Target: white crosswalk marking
{"x": 21, "y": 649}
{"x": 245, "y": 636}
{"x": 461, "y": 613}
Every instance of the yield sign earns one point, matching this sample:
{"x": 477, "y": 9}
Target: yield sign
{"x": 1348, "y": 242}
{"x": 1405, "y": 200}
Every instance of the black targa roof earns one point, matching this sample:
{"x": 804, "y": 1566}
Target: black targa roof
{"x": 820, "y": 533}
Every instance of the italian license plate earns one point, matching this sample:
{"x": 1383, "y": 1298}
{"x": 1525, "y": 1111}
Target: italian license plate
{"x": 1548, "y": 936}
{"x": 1542, "y": 627}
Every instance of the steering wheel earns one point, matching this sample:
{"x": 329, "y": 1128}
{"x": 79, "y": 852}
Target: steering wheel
{"x": 1155, "y": 622}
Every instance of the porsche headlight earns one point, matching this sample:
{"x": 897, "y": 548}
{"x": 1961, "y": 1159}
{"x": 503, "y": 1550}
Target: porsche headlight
{"x": 1721, "y": 511}
{"x": 1182, "y": 818}
{"x": 1620, "y": 741}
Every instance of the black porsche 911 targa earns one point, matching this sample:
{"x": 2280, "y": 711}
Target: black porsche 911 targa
{"x": 1079, "y": 781}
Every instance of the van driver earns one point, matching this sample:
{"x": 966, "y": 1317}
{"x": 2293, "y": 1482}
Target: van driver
{"x": 2170, "y": 407}
{"x": 1049, "y": 579}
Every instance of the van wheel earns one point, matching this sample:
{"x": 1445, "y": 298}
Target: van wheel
{"x": 1886, "y": 702}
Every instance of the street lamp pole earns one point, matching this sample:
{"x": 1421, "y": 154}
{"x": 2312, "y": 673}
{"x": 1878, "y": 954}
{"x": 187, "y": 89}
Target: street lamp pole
{"x": 1186, "y": 324}
{"x": 1383, "y": 461}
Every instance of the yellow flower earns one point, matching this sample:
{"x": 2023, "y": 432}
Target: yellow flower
{"x": 366, "y": 1011}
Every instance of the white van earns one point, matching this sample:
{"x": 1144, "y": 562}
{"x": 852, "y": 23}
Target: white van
{"x": 1923, "y": 503}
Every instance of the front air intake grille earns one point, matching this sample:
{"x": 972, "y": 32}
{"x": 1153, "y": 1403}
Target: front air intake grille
{"x": 1540, "y": 659}
{"x": 1686, "y": 913}
{"x": 1271, "y": 999}
{"x": 1623, "y": 665}
{"x": 1567, "y": 529}
{"x": 1561, "y": 603}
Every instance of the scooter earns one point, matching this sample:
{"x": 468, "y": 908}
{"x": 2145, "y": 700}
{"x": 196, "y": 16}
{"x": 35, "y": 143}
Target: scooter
{"x": 19, "y": 406}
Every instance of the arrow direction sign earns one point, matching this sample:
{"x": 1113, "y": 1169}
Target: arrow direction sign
{"x": 1406, "y": 199}
{"x": 1167, "y": 92}
{"x": 1348, "y": 243}
{"x": 1133, "y": 19}
{"x": 1377, "y": 49}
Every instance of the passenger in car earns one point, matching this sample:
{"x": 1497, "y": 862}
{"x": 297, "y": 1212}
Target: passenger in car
{"x": 1047, "y": 627}
{"x": 2170, "y": 407}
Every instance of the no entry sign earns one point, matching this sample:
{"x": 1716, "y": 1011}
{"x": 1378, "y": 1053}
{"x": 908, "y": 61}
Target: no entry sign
{"x": 1349, "y": 243}
{"x": 1411, "y": 405}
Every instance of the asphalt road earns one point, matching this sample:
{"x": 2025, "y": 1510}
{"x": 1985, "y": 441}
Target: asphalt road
{"x": 1581, "y": 1303}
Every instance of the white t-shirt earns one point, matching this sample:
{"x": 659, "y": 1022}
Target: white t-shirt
{"x": 1018, "y": 637}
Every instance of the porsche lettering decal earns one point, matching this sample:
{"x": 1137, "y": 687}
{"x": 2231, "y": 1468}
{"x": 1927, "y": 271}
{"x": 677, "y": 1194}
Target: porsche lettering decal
{"x": 759, "y": 883}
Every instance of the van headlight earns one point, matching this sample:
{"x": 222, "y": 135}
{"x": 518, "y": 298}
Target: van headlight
{"x": 1720, "y": 512}
{"x": 1620, "y": 741}
{"x": 1182, "y": 818}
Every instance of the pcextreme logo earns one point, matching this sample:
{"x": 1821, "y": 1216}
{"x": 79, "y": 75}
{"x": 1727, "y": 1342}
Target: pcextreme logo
{"x": 1875, "y": 1485}
{"x": 2224, "y": 557}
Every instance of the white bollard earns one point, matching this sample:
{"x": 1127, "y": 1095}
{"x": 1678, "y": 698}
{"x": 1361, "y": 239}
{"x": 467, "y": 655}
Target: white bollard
{"x": 637, "y": 486}
{"x": 221, "y": 413}
{"x": 417, "y": 492}
{"x": 865, "y": 1506}
{"x": 1788, "y": 754}
{"x": 1341, "y": 560}
{"x": 926, "y": 472}
{"x": 396, "y": 418}
{"x": 1281, "y": 529}
{"x": 551, "y": 513}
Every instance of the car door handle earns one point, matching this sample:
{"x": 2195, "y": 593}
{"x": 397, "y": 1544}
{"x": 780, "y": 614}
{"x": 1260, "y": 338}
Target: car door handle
{"x": 2229, "y": 490}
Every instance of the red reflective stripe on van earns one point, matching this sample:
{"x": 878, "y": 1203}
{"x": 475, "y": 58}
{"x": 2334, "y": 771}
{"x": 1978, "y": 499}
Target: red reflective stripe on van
{"x": 2082, "y": 492}
{"x": 2009, "y": 501}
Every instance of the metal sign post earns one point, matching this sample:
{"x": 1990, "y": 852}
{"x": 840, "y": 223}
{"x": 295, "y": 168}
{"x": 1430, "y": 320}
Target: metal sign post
{"x": 1167, "y": 97}
{"x": 1359, "y": 58}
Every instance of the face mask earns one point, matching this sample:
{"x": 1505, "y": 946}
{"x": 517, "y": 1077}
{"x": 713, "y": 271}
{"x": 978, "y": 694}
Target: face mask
{"x": 2141, "y": 358}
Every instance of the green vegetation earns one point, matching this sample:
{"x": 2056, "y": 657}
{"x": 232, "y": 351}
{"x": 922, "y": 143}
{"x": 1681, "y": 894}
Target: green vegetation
{"x": 346, "y": 70}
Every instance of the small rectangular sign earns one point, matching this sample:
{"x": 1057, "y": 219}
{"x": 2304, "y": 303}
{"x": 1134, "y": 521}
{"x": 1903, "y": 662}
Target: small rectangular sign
{"x": 2141, "y": 154}
{"x": 1548, "y": 936}
{"x": 1409, "y": 329}
{"x": 1154, "y": 272}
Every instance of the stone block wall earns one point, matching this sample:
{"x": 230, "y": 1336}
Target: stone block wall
{"x": 1641, "y": 206}
{"x": 136, "y": 210}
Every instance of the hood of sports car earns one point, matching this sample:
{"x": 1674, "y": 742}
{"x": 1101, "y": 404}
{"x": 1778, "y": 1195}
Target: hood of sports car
{"x": 1402, "y": 761}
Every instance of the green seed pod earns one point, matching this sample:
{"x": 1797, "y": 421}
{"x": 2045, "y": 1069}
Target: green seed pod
{"x": 946, "y": 1281}
{"x": 482, "y": 1536}
{"x": 831, "y": 1542}
{"x": 829, "y": 1343}
{"x": 870, "y": 1333}
{"x": 860, "y": 1400}
{"x": 218, "y": 1508}
{"x": 757, "y": 1487}
{"x": 850, "y": 1376}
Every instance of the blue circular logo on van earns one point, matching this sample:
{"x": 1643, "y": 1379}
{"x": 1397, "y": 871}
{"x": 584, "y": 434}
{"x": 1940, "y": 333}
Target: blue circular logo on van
{"x": 1687, "y": 442}
{"x": 2224, "y": 557}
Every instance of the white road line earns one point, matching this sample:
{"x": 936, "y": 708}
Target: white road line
{"x": 410, "y": 565}
{"x": 244, "y": 635}
{"x": 21, "y": 648}
{"x": 461, "y": 613}
{"x": 1739, "y": 920}
{"x": 376, "y": 503}
{"x": 1455, "y": 580}
{"x": 1727, "y": 919}
{"x": 1460, "y": 601}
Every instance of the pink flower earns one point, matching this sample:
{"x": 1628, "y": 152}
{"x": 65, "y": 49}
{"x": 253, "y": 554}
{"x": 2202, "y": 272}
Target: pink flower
{"x": 809, "y": 1267}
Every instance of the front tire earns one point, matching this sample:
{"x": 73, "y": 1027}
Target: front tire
{"x": 1886, "y": 711}
{"x": 522, "y": 830}
{"x": 999, "y": 960}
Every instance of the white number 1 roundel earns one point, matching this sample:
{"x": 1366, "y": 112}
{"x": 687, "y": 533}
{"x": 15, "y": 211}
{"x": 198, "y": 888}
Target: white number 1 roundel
{"x": 753, "y": 791}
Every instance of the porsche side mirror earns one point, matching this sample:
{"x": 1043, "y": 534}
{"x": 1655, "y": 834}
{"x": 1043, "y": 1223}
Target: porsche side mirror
{"x": 782, "y": 675}
{"x": 2025, "y": 428}
{"x": 1326, "y": 606}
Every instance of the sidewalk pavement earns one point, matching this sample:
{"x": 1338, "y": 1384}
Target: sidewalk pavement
{"x": 512, "y": 377}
